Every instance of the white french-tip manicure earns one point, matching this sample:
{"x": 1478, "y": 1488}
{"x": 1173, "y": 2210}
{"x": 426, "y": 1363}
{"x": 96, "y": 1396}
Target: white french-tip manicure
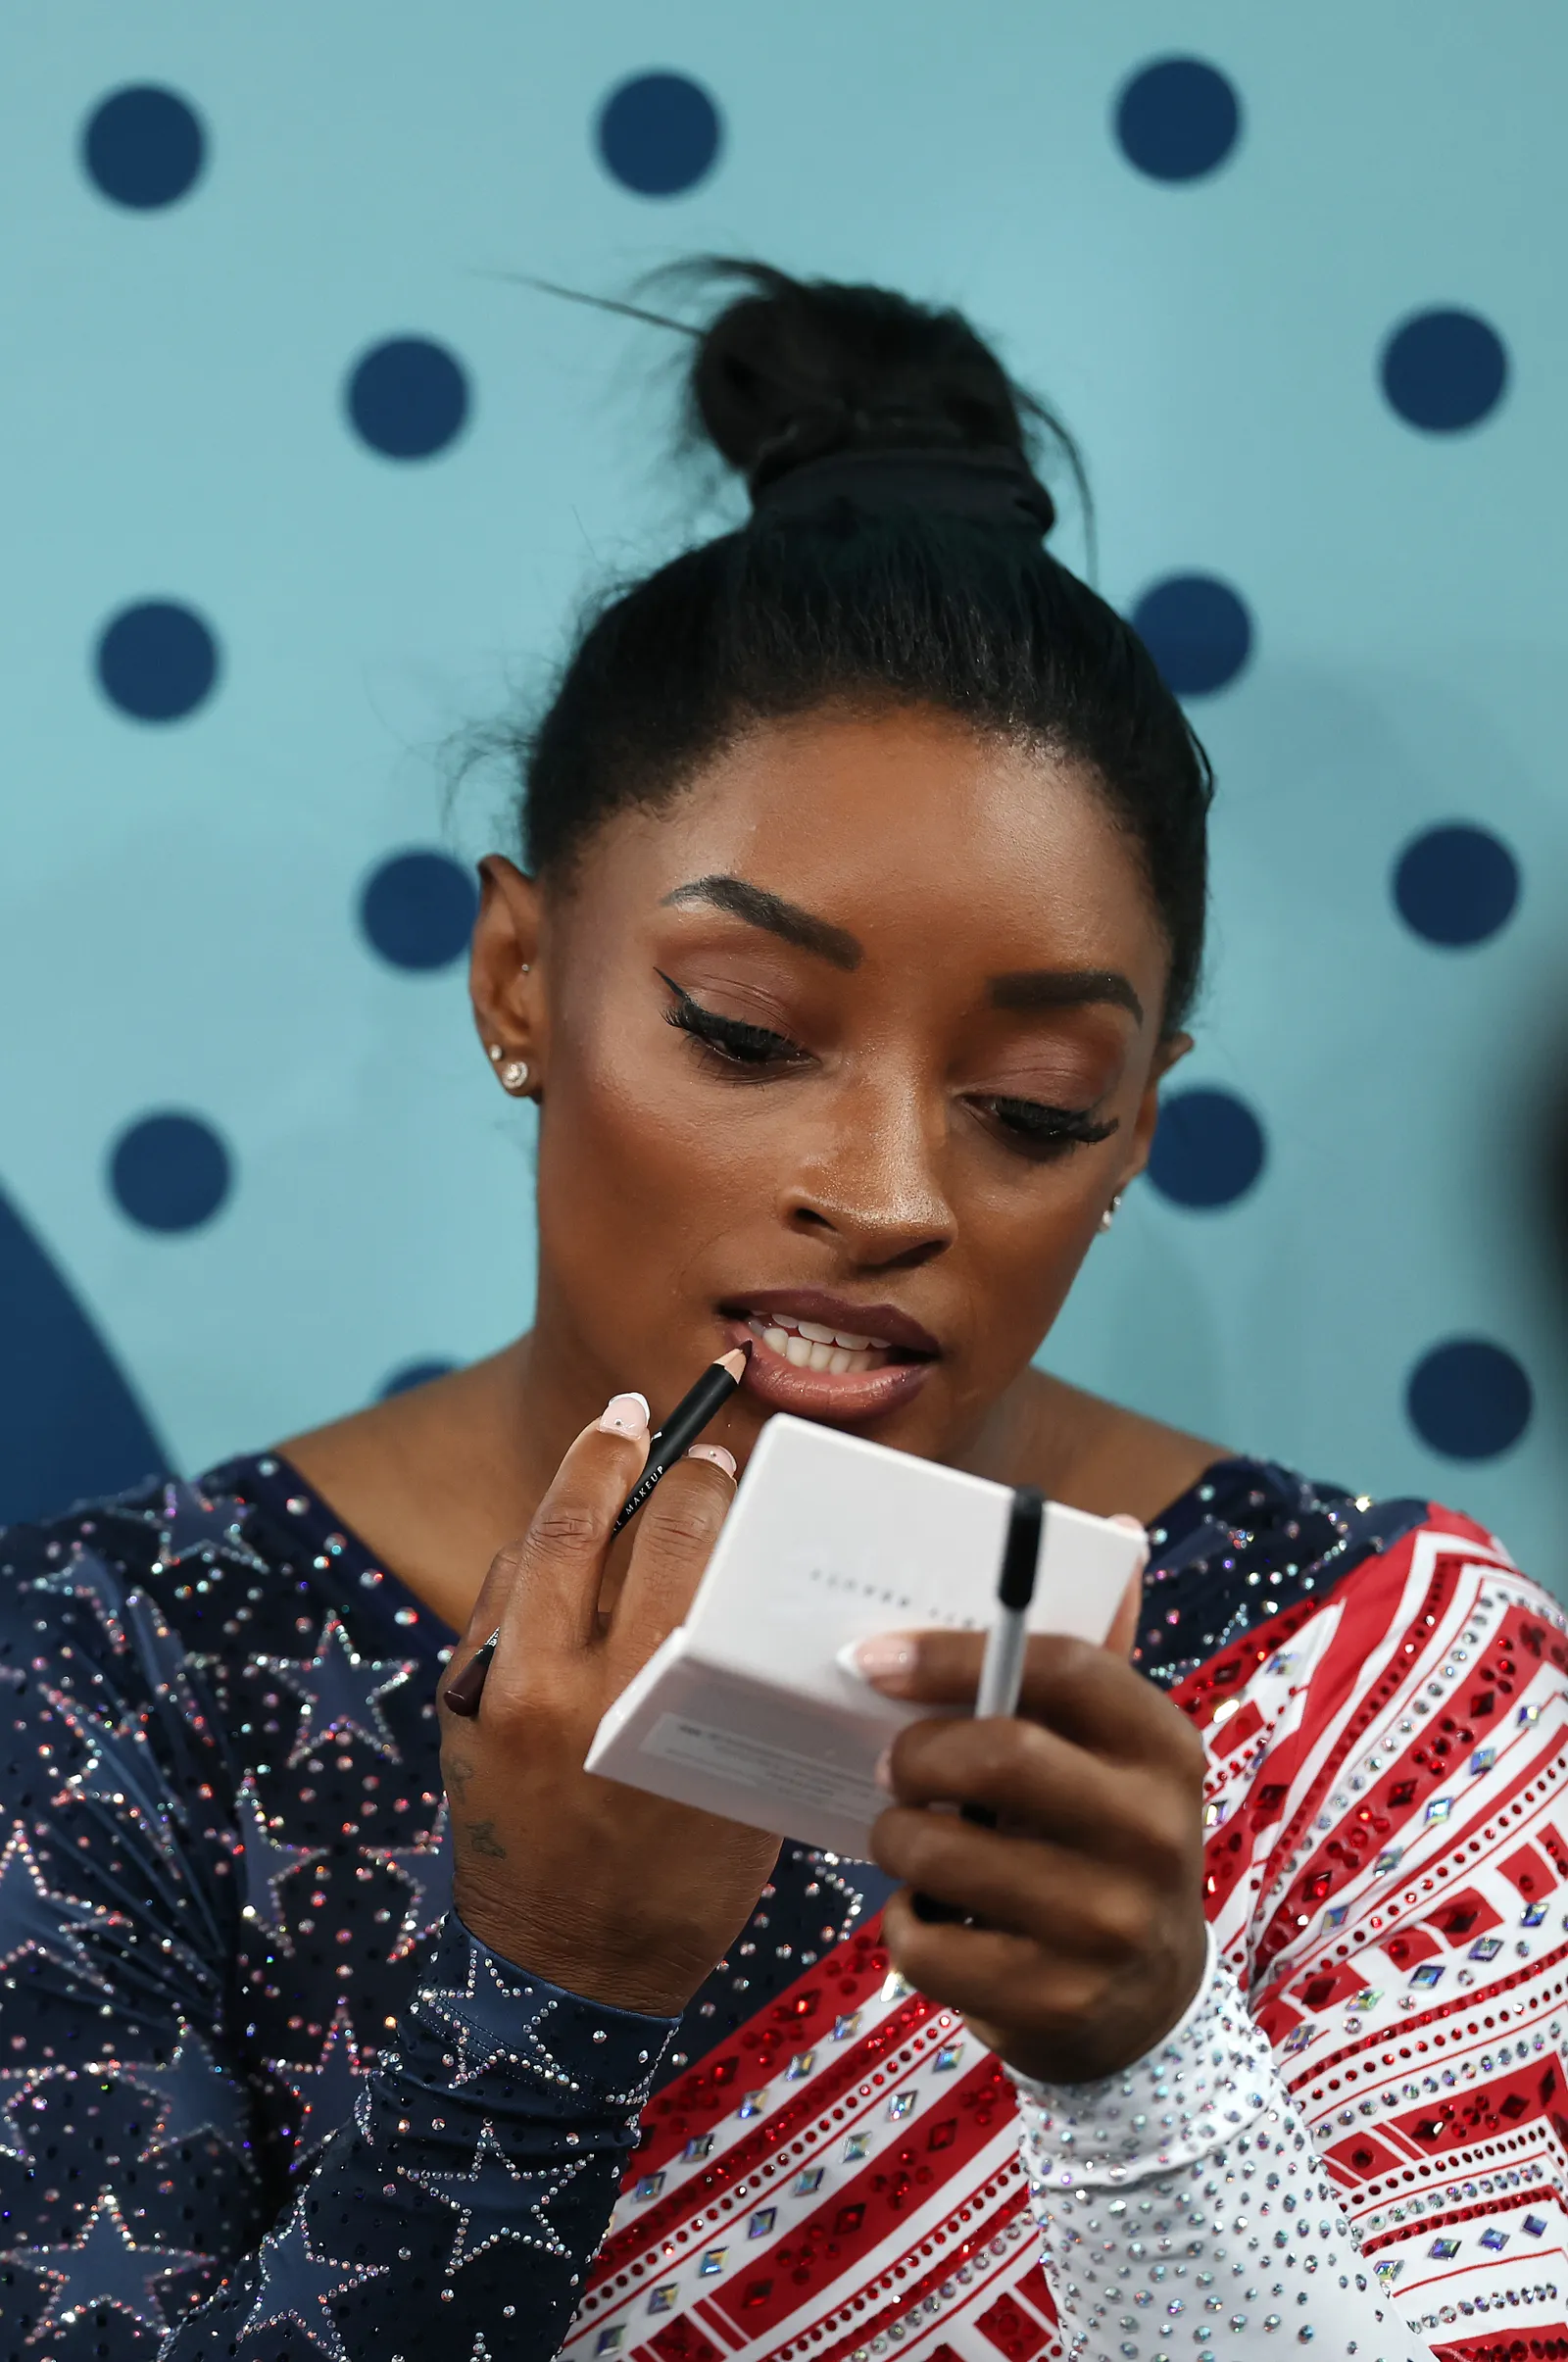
{"x": 625, "y": 1414}
{"x": 714, "y": 1452}
{"x": 1132, "y": 1525}
{"x": 874, "y": 1659}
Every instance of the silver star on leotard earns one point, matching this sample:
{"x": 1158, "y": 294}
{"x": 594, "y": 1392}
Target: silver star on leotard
{"x": 342, "y": 1694}
{"x": 85, "y": 1576}
{"x": 120, "y": 1770}
{"x": 264, "y": 1863}
{"x": 326, "y": 2091}
{"x": 426, "y": 1870}
{"x": 495, "y": 2020}
{"x": 190, "y": 1526}
{"x": 105, "y": 2266}
{"x": 298, "y": 2286}
{"x": 197, "y": 2097}
{"x": 488, "y": 2197}
{"x": 32, "y": 1919}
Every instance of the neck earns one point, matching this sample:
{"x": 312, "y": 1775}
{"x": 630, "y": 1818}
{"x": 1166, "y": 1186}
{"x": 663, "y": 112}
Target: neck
{"x": 437, "y": 1481}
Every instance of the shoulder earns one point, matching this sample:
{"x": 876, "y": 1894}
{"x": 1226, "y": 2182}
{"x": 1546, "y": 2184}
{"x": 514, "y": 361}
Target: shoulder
{"x": 1255, "y": 1548}
{"x": 1402, "y": 1594}
{"x": 69, "y": 1578}
{"x": 146, "y": 1583}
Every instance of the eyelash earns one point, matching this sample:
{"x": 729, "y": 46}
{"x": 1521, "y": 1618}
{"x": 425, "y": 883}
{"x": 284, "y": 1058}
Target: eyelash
{"x": 750, "y": 1052}
{"x": 732, "y": 1042}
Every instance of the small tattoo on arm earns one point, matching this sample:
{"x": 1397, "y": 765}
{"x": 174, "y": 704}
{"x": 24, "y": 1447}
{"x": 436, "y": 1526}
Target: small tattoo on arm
{"x": 482, "y": 1838}
{"x": 458, "y": 1773}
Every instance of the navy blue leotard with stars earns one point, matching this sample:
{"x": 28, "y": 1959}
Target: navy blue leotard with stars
{"x": 261, "y": 2092}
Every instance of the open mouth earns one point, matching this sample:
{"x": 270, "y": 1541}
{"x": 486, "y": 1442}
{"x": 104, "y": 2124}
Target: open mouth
{"x": 810, "y": 1344}
{"x": 822, "y": 1356}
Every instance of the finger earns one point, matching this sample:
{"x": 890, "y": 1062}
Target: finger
{"x": 1123, "y": 1633}
{"x": 545, "y": 1587}
{"x": 986, "y": 1973}
{"x": 1018, "y": 1772}
{"x": 1048, "y": 1893}
{"x": 1085, "y": 1693}
{"x": 676, "y": 1530}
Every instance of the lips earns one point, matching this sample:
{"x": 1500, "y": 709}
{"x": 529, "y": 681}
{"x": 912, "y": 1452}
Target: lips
{"x": 827, "y": 1357}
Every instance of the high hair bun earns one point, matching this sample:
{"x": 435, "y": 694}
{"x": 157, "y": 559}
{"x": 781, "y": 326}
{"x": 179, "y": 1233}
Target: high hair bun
{"x": 793, "y": 370}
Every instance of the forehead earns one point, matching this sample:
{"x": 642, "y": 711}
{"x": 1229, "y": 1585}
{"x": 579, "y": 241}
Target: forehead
{"x": 908, "y": 828}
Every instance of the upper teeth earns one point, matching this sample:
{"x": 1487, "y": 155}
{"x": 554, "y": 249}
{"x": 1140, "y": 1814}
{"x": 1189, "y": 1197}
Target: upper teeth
{"x": 814, "y": 1331}
{"x": 808, "y": 1344}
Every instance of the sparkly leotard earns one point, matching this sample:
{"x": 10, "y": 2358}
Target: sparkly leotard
{"x": 262, "y": 2096}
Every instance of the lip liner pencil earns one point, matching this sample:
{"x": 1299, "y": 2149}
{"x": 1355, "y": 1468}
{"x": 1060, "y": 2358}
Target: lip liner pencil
{"x": 666, "y": 1446}
{"x": 685, "y": 1424}
{"x": 1006, "y": 1645}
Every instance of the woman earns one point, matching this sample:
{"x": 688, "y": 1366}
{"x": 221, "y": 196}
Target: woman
{"x": 862, "y": 912}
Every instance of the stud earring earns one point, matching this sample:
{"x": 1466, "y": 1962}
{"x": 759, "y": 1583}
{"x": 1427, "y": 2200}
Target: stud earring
{"x": 495, "y": 1053}
{"x": 514, "y": 1074}
{"x": 1109, "y": 1215}
{"x": 527, "y": 968}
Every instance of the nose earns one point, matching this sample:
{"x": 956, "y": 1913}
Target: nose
{"x": 869, "y": 1175}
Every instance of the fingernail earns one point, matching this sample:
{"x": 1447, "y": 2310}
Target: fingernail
{"x": 714, "y": 1452}
{"x": 877, "y": 1658}
{"x": 882, "y": 1773}
{"x": 625, "y": 1414}
{"x": 1132, "y": 1525}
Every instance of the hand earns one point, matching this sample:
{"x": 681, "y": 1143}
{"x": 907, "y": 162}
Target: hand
{"x": 598, "y": 1888}
{"x": 1089, "y": 1940}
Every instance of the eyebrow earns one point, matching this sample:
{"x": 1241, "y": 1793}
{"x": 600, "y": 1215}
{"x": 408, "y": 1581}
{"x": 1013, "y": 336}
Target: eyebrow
{"x": 1064, "y": 988}
{"x": 775, "y": 917}
{"x": 1030, "y": 987}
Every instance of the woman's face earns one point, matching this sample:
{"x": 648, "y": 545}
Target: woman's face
{"x": 847, "y": 1050}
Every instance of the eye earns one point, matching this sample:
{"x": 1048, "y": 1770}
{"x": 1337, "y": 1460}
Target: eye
{"x": 1039, "y": 1131}
{"x": 752, "y": 1051}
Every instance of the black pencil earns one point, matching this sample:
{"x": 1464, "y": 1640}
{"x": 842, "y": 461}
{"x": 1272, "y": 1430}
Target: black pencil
{"x": 666, "y": 1446}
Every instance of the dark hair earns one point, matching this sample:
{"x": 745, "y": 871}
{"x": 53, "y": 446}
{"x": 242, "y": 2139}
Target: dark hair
{"x": 845, "y": 590}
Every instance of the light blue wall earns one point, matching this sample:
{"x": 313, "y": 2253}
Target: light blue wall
{"x": 178, "y": 901}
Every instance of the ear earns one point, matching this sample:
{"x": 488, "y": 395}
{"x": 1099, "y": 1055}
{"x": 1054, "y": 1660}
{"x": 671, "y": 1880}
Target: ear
{"x": 504, "y": 984}
{"x": 1169, "y": 1052}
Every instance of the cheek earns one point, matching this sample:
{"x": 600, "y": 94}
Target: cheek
{"x": 635, "y": 1178}
{"x": 1025, "y": 1251}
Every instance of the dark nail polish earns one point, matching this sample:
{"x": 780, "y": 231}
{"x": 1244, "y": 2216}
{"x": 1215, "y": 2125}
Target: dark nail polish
{"x": 464, "y": 1691}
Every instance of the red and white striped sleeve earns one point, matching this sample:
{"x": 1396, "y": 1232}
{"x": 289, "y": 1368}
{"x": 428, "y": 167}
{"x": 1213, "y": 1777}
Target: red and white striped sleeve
{"x": 1362, "y": 2121}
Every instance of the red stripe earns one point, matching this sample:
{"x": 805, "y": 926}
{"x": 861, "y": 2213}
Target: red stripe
{"x": 825, "y": 2087}
{"x": 902, "y": 2298}
{"x": 1338, "y": 1861}
{"x": 866, "y": 2209}
{"x": 1472, "y": 2209}
{"x": 697, "y": 2101}
{"x": 1281, "y": 1928}
{"x": 1399, "y": 2040}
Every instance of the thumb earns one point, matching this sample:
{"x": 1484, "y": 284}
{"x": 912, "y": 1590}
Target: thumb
{"x": 1123, "y": 1633}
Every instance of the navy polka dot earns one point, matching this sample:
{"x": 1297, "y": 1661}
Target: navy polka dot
{"x": 157, "y": 661}
{"x": 1445, "y": 371}
{"x": 407, "y": 398}
{"x": 1177, "y": 118}
{"x": 1457, "y": 885}
{"x": 417, "y": 909}
{"x": 170, "y": 1171}
{"x": 143, "y": 147}
{"x": 412, "y": 1374}
{"x": 1209, "y": 1149}
{"x": 1469, "y": 1398}
{"x": 1196, "y": 629}
{"x": 660, "y": 135}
